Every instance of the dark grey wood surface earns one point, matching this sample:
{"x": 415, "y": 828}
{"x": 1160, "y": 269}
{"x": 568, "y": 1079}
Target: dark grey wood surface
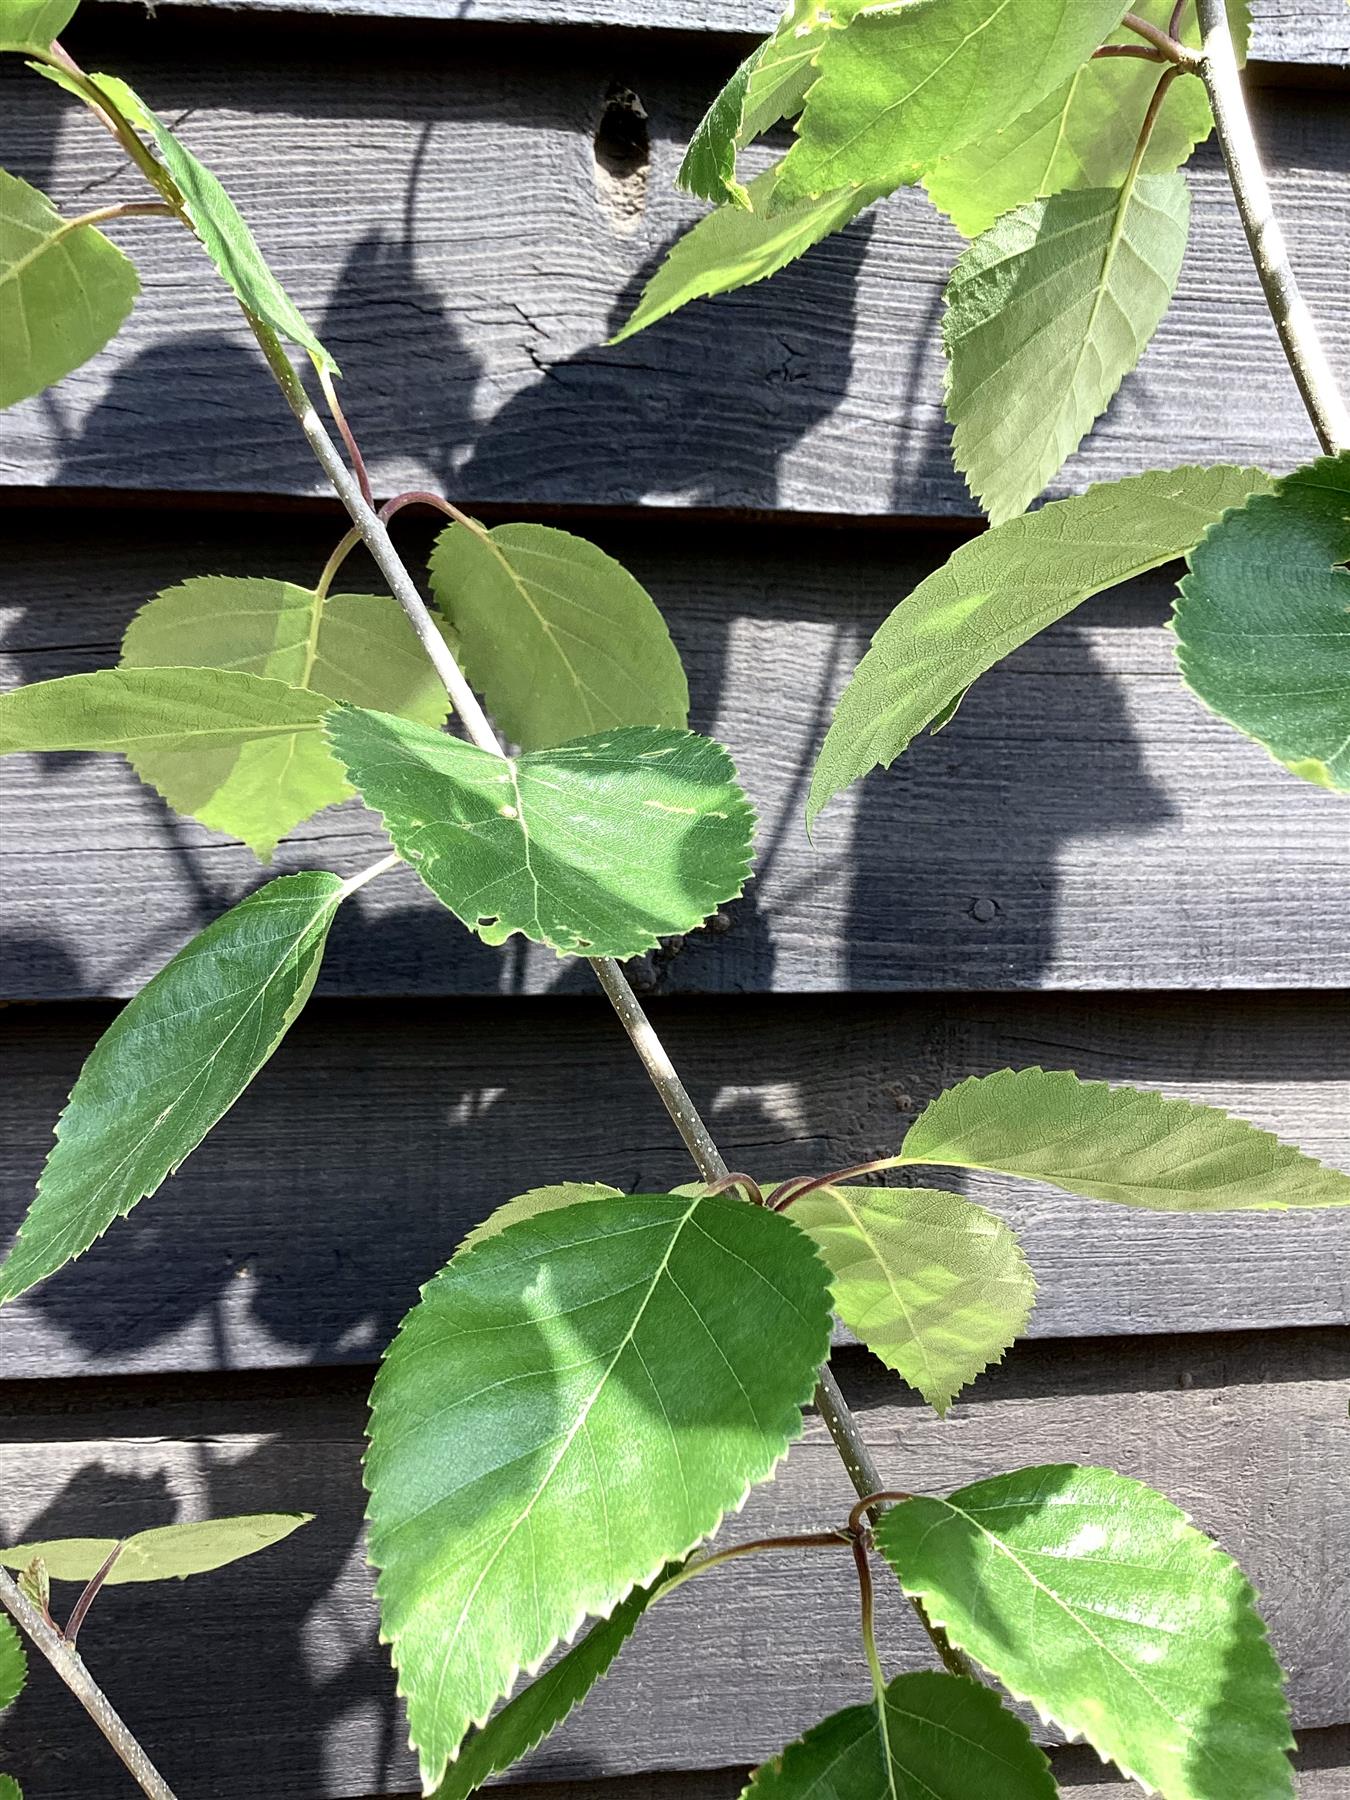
{"x": 445, "y": 222}
{"x": 1083, "y": 823}
{"x": 265, "y": 1683}
{"x": 302, "y": 1229}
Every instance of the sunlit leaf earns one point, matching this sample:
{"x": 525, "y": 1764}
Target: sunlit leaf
{"x": 935, "y": 1737}
{"x": 937, "y": 1287}
{"x": 171, "y": 1064}
{"x": 64, "y": 291}
{"x": 902, "y": 86}
{"x": 32, "y": 24}
{"x": 597, "y": 848}
{"x": 1263, "y": 622}
{"x": 1123, "y": 1144}
{"x": 356, "y": 647}
{"x": 1046, "y": 315}
{"x": 529, "y": 1205}
{"x": 9, "y": 1788}
{"x": 1096, "y": 1599}
{"x": 998, "y": 591}
{"x": 166, "y": 1553}
{"x": 559, "y": 638}
{"x": 731, "y": 248}
{"x": 570, "y": 1406}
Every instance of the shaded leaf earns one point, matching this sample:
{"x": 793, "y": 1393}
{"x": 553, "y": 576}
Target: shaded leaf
{"x": 64, "y": 291}
{"x": 172, "y": 1063}
{"x": 527, "y": 1720}
{"x": 356, "y": 647}
{"x": 537, "y": 1200}
{"x": 900, "y": 87}
{"x": 1083, "y": 135}
{"x": 935, "y": 1286}
{"x": 166, "y": 1553}
{"x": 641, "y": 1408}
{"x": 559, "y": 638}
{"x": 597, "y": 848}
{"x": 13, "y": 1662}
{"x": 933, "y": 1737}
{"x": 213, "y": 742}
{"x": 217, "y": 221}
{"x": 1122, "y": 1144}
{"x": 733, "y": 249}
{"x": 1094, "y": 1598}
{"x": 998, "y": 591}
{"x": 1263, "y": 621}
{"x": 9, "y": 1788}
{"x": 1046, "y": 315}
{"x": 32, "y": 24}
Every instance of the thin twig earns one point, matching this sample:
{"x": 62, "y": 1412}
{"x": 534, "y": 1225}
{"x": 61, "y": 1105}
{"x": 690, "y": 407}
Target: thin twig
{"x": 345, "y": 432}
{"x": 865, "y": 1611}
{"x": 806, "y": 1540}
{"x": 1298, "y": 334}
{"x": 90, "y": 1593}
{"x": 1163, "y": 41}
{"x": 122, "y": 209}
{"x": 1140, "y": 50}
{"x": 69, "y": 1665}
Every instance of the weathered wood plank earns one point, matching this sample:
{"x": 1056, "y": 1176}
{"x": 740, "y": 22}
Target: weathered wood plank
{"x": 1290, "y": 31}
{"x": 450, "y": 231}
{"x": 1083, "y": 823}
{"x": 273, "y": 1246}
{"x": 284, "y": 1693}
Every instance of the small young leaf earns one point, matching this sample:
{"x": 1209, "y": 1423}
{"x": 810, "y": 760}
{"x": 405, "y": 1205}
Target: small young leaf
{"x": 935, "y": 1286}
{"x": 527, "y": 1720}
{"x": 356, "y": 647}
{"x": 171, "y": 1064}
{"x": 529, "y": 1205}
{"x": 642, "y": 1407}
{"x": 732, "y": 249}
{"x": 597, "y": 848}
{"x": 32, "y": 24}
{"x": 1122, "y": 1144}
{"x": 35, "y": 1581}
{"x": 1001, "y": 589}
{"x": 64, "y": 291}
{"x": 167, "y": 1553}
{"x": 215, "y": 743}
{"x": 1046, "y": 315}
{"x": 1094, "y": 1598}
{"x": 558, "y": 637}
{"x": 1263, "y": 622}
{"x": 935, "y": 1737}
{"x": 1084, "y": 134}
{"x": 13, "y": 1662}
{"x": 215, "y": 218}
{"x": 902, "y": 86}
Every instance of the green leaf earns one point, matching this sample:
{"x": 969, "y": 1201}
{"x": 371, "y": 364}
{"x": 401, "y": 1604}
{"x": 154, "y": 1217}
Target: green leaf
{"x": 998, "y": 591}
{"x": 1046, "y": 315}
{"x": 168, "y": 1553}
{"x": 356, "y": 647}
{"x": 934, "y": 1737}
{"x": 213, "y": 742}
{"x": 32, "y": 24}
{"x": 527, "y": 1720}
{"x": 537, "y": 1200}
{"x": 902, "y": 86}
{"x": 215, "y": 218}
{"x": 171, "y": 1064}
{"x": 935, "y": 1286}
{"x": 1083, "y": 135}
{"x": 558, "y": 637}
{"x": 64, "y": 291}
{"x": 597, "y": 848}
{"x": 35, "y": 1582}
{"x": 9, "y": 1788}
{"x": 571, "y": 1406}
{"x": 1263, "y": 622}
{"x": 732, "y": 249}
{"x": 1094, "y": 1598}
{"x": 1121, "y": 1144}
{"x": 13, "y": 1662}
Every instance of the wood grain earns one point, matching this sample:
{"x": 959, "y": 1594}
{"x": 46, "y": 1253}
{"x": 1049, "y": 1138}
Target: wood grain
{"x": 302, "y": 1229}
{"x": 283, "y": 1694}
{"x": 449, "y": 230}
{"x": 1083, "y": 823}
